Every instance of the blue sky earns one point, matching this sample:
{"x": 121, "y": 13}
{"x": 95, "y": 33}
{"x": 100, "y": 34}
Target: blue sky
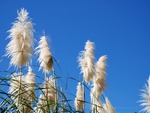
{"x": 119, "y": 28}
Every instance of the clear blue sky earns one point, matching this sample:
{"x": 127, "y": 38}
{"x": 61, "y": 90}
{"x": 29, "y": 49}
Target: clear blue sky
{"x": 119, "y": 28}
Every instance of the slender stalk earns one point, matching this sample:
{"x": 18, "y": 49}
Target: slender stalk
{"x": 20, "y": 85}
{"x": 62, "y": 104}
{"x": 54, "y": 75}
{"x": 83, "y": 86}
{"x": 92, "y": 105}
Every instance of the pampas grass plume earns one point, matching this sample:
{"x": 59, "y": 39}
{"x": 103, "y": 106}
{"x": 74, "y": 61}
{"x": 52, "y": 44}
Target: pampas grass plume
{"x": 79, "y": 104}
{"x": 21, "y": 35}
{"x": 30, "y": 84}
{"x": 14, "y": 85}
{"x": 86, "y": 61}
{"x": 45, "y": 57}
{"x": 145, "y": 95}
{"x": 99, "y": 79}
{"x": 18, "y": 93}
{"x": 50, "y": 91}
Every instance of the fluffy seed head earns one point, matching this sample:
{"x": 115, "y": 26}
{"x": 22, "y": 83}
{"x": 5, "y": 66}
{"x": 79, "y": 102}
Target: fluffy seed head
{"x": 21, "y": 40}
{"x": 50, "y": 91}
{"x": 86, "y": 61}
{"x": 50, "y": 88}
{"x": 45, "y": 57}
{"x": 145, "y": 97}
{"x": 30, "y": 84}
{"x": 99, "y": 79}
{"x": 79, "y": 104}
{"x": 17, "y": 90}
{"x": 15, "y": 83}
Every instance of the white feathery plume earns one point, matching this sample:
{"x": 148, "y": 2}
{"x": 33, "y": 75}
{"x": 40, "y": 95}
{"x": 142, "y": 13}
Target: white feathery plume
{"x": 45, "y": 57}
{"x": 86, "y": 61}
{"x": 30, "y": 88}
{"x": 14, "y": 85}
{"x": 30, "y": 84}
{"x": 18, "y": 93}
{"x": 50, "y": 88}
{"x": 145, "y": 95}
{"x": 79, "y": 100}
{"x": 98, "y": 80}
{"x": 109, "y": 108}
{"x": 21, "y": 35}
{"x": 50, "y": 91}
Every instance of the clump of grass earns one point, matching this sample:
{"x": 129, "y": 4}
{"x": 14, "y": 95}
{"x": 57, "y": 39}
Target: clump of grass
{"x": 95, "y": 73}
{"x": 22, "y": 95}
